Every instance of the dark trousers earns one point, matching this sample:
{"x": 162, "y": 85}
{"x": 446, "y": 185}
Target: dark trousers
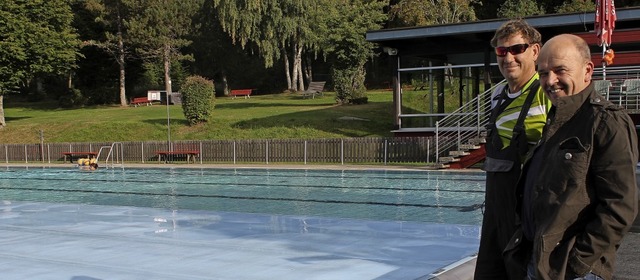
{"x": 498, "y": 226}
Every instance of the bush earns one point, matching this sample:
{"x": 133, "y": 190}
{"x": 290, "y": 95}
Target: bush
{"x": 349, "y": 85}
{"x": 72, "y": 98}
{"x": 197, "y": 99}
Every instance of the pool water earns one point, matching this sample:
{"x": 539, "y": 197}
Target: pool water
{"x": 418, "y": 196}
{"x": 237, "y": 224}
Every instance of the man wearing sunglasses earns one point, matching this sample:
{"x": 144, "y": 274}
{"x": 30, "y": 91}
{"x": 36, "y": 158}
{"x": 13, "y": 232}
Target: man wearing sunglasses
{"x": 519, "y": 111}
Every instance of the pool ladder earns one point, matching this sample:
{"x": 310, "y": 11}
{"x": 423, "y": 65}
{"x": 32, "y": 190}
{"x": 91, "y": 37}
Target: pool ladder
{"x": 114, "y": 157}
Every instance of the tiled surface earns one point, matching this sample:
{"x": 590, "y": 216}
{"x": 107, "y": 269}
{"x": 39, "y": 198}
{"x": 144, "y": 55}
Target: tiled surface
{"x": 82, "y": 242}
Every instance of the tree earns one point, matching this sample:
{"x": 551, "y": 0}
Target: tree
{"x": 431, "y": 12}
{"x": 572, "y": 6}
{"x": 343, "y": 26}
{"x": 36, "y": 38}
{"x": 274, "y": 28}
{"x": 519, "y": 9}
{"x": 111, "y": 15}
{"x": 159, "y": 30}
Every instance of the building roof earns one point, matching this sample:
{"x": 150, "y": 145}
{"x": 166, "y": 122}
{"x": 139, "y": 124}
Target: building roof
{"x": 467, "y": 43}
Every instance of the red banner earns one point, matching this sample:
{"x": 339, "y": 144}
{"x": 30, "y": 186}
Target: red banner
{"x": 605, "y": 21}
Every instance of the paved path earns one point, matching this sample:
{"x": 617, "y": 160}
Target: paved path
{"x": 628, "y": 264}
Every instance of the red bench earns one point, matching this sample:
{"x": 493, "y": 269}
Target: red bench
{"x": 140, "y": 100}
{"x": 240, "y": 92}
{"x": 71, "y": 154}
{"x": 191, "y": 155}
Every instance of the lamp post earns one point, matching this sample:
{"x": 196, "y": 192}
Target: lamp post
{"x": 168, "y": 119}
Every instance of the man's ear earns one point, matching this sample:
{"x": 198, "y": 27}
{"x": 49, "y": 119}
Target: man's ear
{"x": 536, "y": 51}
{"x": 589, "y": 68}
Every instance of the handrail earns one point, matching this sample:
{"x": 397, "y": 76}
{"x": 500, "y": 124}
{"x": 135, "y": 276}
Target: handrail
{"x": 469, "y": 120}
{"x": 464, "y": 123}
{"x": 119, "y": 158}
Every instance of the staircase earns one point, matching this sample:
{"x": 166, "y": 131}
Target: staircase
{"x": 460, "y": 136}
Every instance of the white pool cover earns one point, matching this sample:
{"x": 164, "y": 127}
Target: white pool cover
{"x": 83, "y": 242}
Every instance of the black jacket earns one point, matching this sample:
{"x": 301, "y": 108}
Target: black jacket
{"x": 585, "y": 196}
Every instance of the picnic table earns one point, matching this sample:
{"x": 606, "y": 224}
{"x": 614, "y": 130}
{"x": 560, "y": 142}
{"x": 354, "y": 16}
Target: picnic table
{"x": 79, "y": 154}
{"x": 190, "y": 155}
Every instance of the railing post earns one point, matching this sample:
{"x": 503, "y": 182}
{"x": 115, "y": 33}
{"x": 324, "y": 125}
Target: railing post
{"x": 342, "y": 151}
{"x": 386, "y": 142}
{"x": 428, "y": 149}
{"x": 478, "y": 115}
{"x": 26, "y": 154}
{"x": 437, "y": 142}
{"x": 305, "y": 151}
{"x": 266, "y": 156}
{"x": 459, "y": 140}
{"x": 201, "y": 153}
{"x": 234, "y": 152}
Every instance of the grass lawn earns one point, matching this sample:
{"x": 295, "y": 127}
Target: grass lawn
{"x": 278, "y": 116}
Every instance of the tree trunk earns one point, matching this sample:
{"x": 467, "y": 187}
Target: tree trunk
{"x": 2, "y": 123}
{"x": 286, "y": 67}
{"x": 121, "y": 63}
{"x": 299, "y": 69}
{"x": 39, "y": 85}
{"x": 294, "y": 70}
{"x": 308, "y": 70}
{"x": 123, "y": 94}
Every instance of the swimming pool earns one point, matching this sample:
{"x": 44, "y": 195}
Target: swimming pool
{"x": 438, "y": 197}
{"x": 59, "y": 223}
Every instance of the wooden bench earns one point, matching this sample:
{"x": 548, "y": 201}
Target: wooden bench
{"x": 190, "y": 154}
{"x": 79, "y": 154}
{"x": 140, "y": 100}
{"x": 241, "y": 92}
{"x": 315, "y": 88}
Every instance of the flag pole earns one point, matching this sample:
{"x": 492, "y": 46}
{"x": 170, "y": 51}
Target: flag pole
{"x": 604, "y": 63}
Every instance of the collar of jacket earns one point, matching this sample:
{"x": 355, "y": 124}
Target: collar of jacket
{"x": 567, "y": 106}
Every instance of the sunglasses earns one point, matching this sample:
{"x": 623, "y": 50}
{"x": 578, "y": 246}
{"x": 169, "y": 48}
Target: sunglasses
{"x": 514, "y": 50}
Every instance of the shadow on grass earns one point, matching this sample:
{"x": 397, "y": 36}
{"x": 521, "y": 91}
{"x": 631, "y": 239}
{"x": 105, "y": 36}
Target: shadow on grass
{"x": 9, "y": 119}
{"x": 350, "y": 120}
{"x": 181, "y": 122}
{"x": 244, "y": 105}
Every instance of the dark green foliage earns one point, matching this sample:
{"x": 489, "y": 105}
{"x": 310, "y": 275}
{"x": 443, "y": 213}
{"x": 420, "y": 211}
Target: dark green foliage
{"x": 71, "y": 98}
{"x": 520, "y": 9}
{"x": 346, "y": 46}
{"x": 153, "y": 77}
{"x": 36, "y": 38}
{"x": 349, "y": 84}
{"x": 197, "y": 99}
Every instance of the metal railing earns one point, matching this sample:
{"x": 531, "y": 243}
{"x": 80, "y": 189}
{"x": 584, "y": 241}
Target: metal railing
{"x": 465, "y": 123}
{"x": 115, "y": 157}
{"x": 369, "y": 150}
{"x": 621, "y": 87}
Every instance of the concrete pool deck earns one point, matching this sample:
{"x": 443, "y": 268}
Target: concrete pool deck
{"x": 94, "y": 245}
